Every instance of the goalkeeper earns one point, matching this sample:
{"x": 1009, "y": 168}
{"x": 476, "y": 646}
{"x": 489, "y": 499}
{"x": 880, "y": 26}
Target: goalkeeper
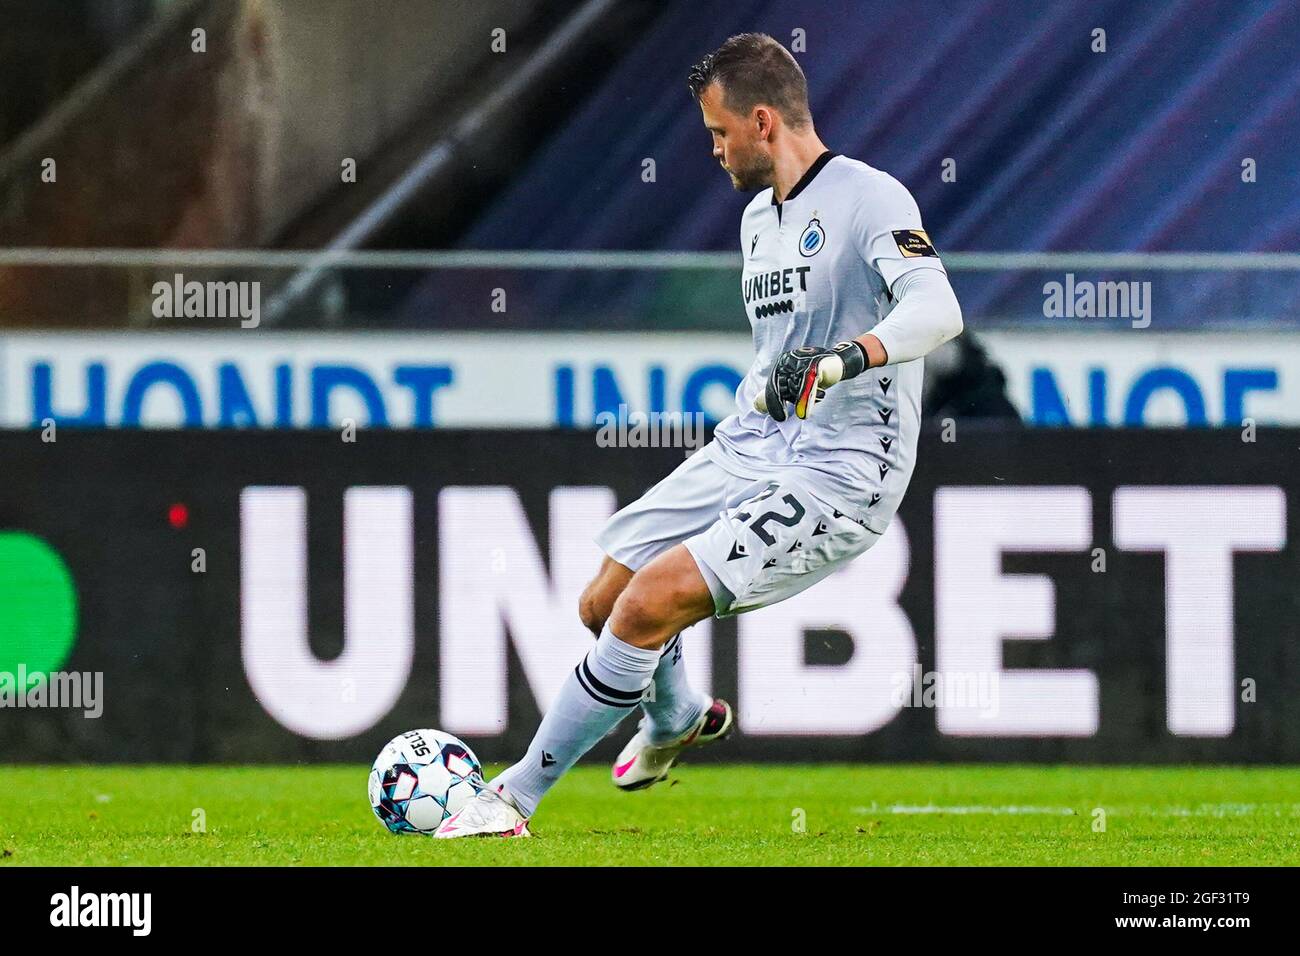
{"x": 845, "y": 293}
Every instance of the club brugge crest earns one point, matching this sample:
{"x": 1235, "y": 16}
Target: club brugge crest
{"x": 813, "y": 238}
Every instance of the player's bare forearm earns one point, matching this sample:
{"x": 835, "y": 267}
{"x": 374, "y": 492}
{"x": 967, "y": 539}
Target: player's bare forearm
{"x": 876, "y": 353}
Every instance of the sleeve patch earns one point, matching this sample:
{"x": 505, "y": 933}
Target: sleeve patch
{"x": 913, "y": 243}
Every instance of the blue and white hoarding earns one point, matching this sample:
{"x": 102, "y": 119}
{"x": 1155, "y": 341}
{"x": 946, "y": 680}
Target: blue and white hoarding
{"x": 261, "y": 379}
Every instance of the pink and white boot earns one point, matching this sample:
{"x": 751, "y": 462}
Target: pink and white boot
{"x": 643, "y": 764}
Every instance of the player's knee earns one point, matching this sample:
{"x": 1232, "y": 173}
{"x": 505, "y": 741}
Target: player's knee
{"x": 639, "y": 616}
{"x": 597, "y": 600}
{"x": 662, "y": 598}
{"x": 592, "y": 610}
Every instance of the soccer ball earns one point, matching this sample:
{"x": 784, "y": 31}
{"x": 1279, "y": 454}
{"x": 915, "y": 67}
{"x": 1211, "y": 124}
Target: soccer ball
{"x": 420, "y": 779}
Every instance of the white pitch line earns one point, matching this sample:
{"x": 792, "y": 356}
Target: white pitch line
{"x": 968, "y": 810}
{"x": 1201, "y": 810}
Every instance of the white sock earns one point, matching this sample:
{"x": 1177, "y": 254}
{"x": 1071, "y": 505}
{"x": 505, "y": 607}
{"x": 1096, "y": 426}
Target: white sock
{"x": 597, "y": 695}
{"x": 674, "y": 705}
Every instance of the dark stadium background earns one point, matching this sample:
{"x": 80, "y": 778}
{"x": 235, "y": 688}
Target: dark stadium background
{"x": 551, "y": 205}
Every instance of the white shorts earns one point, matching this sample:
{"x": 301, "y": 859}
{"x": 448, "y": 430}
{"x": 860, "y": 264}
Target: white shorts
{"x": 757, "y": 541}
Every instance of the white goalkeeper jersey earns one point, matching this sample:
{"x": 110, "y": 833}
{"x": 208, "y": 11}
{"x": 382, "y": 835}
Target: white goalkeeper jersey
{"x": 818, "y": 270}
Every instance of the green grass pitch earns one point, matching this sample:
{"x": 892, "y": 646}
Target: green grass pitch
{"x": 739, "y": 815}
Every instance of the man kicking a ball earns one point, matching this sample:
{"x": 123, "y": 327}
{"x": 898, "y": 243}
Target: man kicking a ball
{"x": 776, "y": 502}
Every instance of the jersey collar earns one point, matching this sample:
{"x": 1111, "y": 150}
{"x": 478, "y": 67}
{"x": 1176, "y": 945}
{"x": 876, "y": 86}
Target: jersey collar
{"x": 807, "y": 177}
